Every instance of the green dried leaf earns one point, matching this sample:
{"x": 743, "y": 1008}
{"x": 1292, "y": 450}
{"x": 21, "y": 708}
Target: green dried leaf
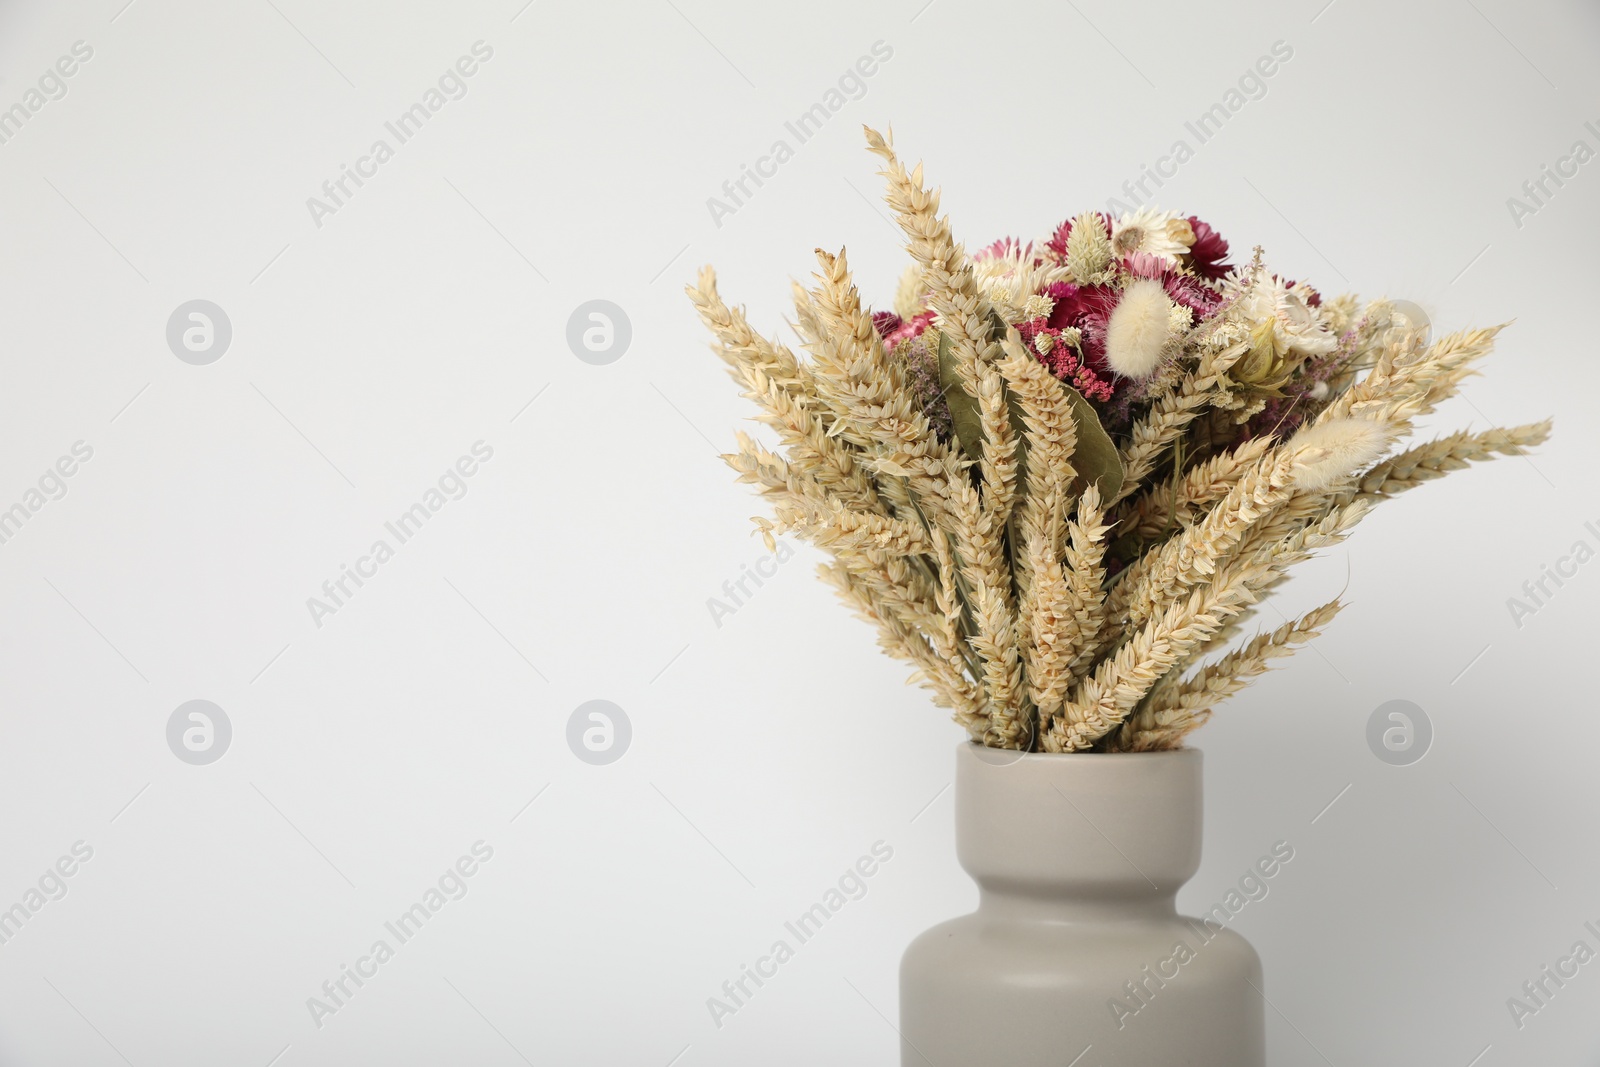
{"x": 964, "y": 417}
{"x": 1095, "y": 458}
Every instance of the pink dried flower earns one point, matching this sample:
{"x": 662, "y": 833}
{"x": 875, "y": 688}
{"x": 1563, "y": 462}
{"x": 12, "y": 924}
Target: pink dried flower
{"x": 1006, "y": 246}
{"x": 1065, "y": 362}
{"x": 1188, "y": 291}
{"x": 1209, "y": 253}
{"x": 1183, "y": 289}
{"x": 1311, "y": 296}
{"x": 1145, "y": 265}
{"x": 903, "y": 330}
{"x": 1087, "y": 308}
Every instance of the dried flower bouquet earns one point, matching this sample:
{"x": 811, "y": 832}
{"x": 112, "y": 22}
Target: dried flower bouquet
{"x": 1059, "y": 476}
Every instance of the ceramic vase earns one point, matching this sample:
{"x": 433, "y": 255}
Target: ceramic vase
{"x": 1076, "y": 954}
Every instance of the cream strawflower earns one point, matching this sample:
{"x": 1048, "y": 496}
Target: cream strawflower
{"x": 1297, "y": 326}
{"x": 1148, "y": 231}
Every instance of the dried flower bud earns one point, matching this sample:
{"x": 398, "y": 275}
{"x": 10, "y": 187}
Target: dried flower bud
{"x": 1332, "y": 451}
{"x": 1037, "y": 306}
{"x": 1137, "y": 330}
{"x": 1088, "y": 247}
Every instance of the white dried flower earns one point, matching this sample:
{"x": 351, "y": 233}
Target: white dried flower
{"x": 1341, "y": 312}
{"x": 1182, "y": 319}
{"x": 1037, "y": 306}
{"x": 1332, "y": 451}
{"x": 1297, "y": 326}
{"x": 1138, "y": 329}
{"x": 1147, "y": 231}
{"x": 1248, "y": 408}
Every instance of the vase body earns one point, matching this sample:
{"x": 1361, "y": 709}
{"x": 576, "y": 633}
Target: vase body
{"x": 1077, "y": 948}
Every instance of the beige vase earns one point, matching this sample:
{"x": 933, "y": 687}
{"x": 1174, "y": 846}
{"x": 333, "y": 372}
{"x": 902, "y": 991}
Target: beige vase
{"x": 1076, "y": 954}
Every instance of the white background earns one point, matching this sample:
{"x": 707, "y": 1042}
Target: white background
{"x": 771, "y": 751}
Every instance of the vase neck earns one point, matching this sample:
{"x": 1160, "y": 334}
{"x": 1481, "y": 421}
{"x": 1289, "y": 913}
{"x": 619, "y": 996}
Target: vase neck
{"x": 1079, "y": 836}
{"x": 1068, "y": 904}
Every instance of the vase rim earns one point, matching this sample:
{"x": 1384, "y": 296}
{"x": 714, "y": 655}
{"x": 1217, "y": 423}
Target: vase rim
{"x": 981, "y": 751}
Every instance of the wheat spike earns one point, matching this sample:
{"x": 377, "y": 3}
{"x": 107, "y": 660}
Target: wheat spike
{"x": 1172, "y": 712}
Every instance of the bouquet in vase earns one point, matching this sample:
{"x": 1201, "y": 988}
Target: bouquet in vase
{"x": 1059, "y": 476}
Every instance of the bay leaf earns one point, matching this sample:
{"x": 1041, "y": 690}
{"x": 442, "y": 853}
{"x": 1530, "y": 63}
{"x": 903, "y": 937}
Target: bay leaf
{"x": 964, "y": 418}
{"x": 1095, "y": 458}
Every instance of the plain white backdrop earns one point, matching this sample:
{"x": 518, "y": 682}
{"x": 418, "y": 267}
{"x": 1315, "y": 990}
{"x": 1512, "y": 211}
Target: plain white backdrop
{"x": 376, "y": 343}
